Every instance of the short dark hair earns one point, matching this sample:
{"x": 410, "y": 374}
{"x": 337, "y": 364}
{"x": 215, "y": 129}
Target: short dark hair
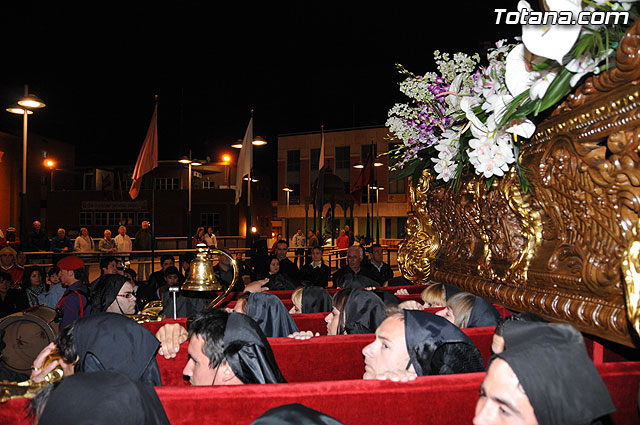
{"x": 26, "y": 280}
{"x": 104, "y": 262}
{"x": 65, "y": 344}
{"x": 166, "y": 257}
{"x": 284, "y": 241}
{"x": 171, "y": 270}
{"x": 53, "y": 270}
{"x": 319, "y": 248}
{"x": 210, "y": 326}
{"x": 5, "y": 276}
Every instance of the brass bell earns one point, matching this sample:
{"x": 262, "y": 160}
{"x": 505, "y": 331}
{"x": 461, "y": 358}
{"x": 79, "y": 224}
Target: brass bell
{"x": 201, "y": 274}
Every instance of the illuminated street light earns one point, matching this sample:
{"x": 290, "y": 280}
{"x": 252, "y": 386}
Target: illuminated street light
{"x": 28, "y": 102}
{"x": 191, "y": 163}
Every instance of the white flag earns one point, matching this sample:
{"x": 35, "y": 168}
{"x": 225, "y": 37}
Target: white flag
{"x": 245, "y": 159}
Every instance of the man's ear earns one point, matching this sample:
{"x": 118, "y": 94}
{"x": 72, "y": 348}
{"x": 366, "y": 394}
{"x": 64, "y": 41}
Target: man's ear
{"x": 227, "y": 372}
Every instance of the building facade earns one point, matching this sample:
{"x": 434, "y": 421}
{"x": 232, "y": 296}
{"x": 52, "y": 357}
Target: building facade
{"x": 298, "y": 156}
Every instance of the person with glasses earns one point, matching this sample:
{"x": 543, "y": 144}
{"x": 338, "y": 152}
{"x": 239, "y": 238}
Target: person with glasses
{"x": 113, "y": 293}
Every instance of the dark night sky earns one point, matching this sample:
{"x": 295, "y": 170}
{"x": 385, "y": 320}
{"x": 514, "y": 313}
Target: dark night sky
{"x": 298, "y": 65}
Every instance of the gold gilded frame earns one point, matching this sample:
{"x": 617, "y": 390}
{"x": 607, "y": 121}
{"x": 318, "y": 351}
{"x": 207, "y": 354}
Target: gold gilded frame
{"x": 565, "y": 250}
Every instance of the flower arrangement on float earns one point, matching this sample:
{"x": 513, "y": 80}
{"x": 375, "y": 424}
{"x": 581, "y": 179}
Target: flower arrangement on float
{"x": 474, "y": 116}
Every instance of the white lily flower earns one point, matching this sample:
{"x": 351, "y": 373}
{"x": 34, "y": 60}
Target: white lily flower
{"x": 517, "y": 76}
{"x": 539, "y": 87}
{"x": 445, "y": 169}
{"x": 552, "y": 41}
{"x": 585, "y": 64}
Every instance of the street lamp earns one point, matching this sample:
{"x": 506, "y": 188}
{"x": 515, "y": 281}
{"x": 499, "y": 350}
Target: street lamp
{"x": 288, "y": 191}
{"x": 50, "y": 164}
{"x": 24, "y": 108}
{"x": 377, "y": 189}
{"x": 226, "y": 159}
{"x": 191, "y": 163}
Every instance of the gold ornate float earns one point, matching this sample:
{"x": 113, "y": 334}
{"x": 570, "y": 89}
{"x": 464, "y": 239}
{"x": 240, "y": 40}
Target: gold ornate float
{"x": 566, "y": 250}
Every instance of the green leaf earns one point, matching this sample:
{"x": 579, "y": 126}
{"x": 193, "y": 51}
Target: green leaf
{"x": 410, "y": 169}
{"x": 559, "y": 88}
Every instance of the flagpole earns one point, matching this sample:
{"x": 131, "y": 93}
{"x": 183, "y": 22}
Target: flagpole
{"x": 153, "y": 208}
{"x": 249, "y": 213}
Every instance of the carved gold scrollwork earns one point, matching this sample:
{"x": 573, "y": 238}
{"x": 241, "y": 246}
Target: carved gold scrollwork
{"x": 512, "y": 230}
{"x": 631, "y": 271}
{"x": 422, "y": 241}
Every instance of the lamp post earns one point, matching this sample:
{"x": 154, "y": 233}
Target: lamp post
{"x": 377, "y": 189}
{"x": 226, "y": 159}
{"x": 190, "y": 162}
{"x": 257, "y": 141}
{"x": 287, "y": 191}
{"x": 24, "y": 107}
{"x": 50, "y": 164}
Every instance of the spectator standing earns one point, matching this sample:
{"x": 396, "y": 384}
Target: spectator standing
{"x": 61, "y": 242}
{"x": 349, "y": 234}
{"x": 84, "y": 243}
{"x": 10, "y": 239}
{"x": 123, "y": 241}
{"x": 107, "y": 245}
{"x": 299, "y": 242}
{"x": 210, "y": 238}
{"x": 37, "y": 240}
{"x": 342, "y": 242}
{"x": 143, "y": 241}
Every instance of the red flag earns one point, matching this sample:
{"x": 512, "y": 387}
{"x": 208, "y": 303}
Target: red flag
{"x": 148, "y": 157}
{"x": 365, "y": 178}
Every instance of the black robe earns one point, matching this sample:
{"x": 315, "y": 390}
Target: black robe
{"x": 294, "y": 414}
{"x": 270, "y": 314}
{"x": 363, "y": 313}
{"x": 103, "y": 398}
{"x": 110, "y": 341}
{"x": 248, "y": 352}
{"x": 438, "y": 347}
{"x": 316, "y": 300}
{"x": 555, "y": 371}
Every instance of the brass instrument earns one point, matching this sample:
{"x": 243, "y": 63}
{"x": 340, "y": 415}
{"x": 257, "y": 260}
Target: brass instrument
{"x": 28, "y": 389}
{"x": 152, "y": 312}
{"x": 202, "y": 277}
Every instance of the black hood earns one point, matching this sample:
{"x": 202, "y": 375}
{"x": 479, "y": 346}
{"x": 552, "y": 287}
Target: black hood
{"x": 110, "y": 341}
{"x": 294, "y": 414}
{"x": 105, "y": 290}
{"x": 270, "y": 314}
{"x": 248, "y": 352}
{"x": 555, "y": 371}
{"x": 438, "y": 347}
{"x": 316, "y": 299}
{"x": 483, "y": 314}
{"x": 103, "y": 398}
{"x": 363, "y": 312}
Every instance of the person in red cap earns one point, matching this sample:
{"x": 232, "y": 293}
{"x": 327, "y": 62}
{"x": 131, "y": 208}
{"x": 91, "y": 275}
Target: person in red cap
{"x": 75, "y": 300}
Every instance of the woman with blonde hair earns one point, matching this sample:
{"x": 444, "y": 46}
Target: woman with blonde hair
{"x": 466, "y": 310}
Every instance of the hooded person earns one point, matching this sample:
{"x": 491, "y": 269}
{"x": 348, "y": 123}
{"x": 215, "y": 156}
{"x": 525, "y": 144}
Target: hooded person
{"x": 419, "y": 343}
{"x": 109, "y": 341}
{"x": 229, "y": 349}
{"x": 483, "y": 314}
{"x": 363, "y": 312}
{"x": 546, "y": 375}
{"x": 437, "y": 347}
{"x": 106, "y": 398}
{"x": 270, "y": 314}
{"x": 315, "y": 299}
{"x": 294, "y": 414}
{"x": 113, "y": 293}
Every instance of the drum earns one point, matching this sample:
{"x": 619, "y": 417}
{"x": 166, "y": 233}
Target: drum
{"x": 26, "y": 334}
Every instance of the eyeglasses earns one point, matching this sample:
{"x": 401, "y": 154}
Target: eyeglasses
{"x": 127, "y": 295}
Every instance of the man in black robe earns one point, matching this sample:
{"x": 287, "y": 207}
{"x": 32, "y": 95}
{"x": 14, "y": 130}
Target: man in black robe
{"x": 287, "y": 267}
{"x": 544, "y": 376}
{"x": 224, "y": 349}
{"x": 412, "y": 343}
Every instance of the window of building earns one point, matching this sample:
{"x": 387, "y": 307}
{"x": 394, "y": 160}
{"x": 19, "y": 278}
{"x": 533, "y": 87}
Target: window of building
{"x": 167, "y": 183}
{"x": 210, "y": 219}
{"x": 343, "y": 157}
{"x": 294, "y": 197}
{"x": 364, "y": 152}
{"x": 89, "y": 181}
{"x": 86, "y": 219}
{"x": 143, "y": 216}
{"x": 101, "y": 219}
{"x": 208, "y": 184}
{"x": 293, "y": 160}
